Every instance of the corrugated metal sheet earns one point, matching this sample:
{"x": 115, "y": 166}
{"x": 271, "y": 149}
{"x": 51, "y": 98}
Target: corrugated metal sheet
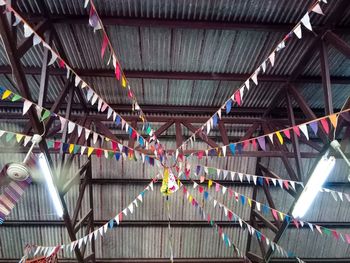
{"x": 178, "y": 50}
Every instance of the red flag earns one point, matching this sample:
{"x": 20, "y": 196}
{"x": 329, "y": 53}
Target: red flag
{"x": 98, "y": 152}
{"x": 286, "y": 185}
{"x": 208, "y": 218}
{"x": 238, "y": 97}
{"x": 104, "y": 45}
{"x": 57, "y": 145}
{"x": 120, "y": 217}
{"x": 296, "y": 130}
{"x": 200, "y": 189}
{"x": 325, "y": 125}
{"x": 133, "y": 135}
{"x": 114, "y": 145}
{"x": 335, "y": 234}
{"x": 61, "y": 63}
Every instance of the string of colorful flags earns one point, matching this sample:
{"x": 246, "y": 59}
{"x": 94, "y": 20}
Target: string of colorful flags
{"x": 91, "y": 94}
{"x": 258, "y": 180}
{"x": 44, "y": 114}
{"x": 233, "y": 217}
{"x": 97, "y": 24}
{"x": 281, "y": 135}
{"x": 265, "y": 209}
{"x": 116, "y": 152}
{"x": 237, "y": 96}
{"x": 34, "y": 250}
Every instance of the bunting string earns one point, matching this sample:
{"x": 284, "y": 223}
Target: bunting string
{"x": 69, "y": 148}
{"x": 237, "y": 96}
{"x": 258, "y": 180}
{"x": 233, "y": 217}
{"x": 277, "y": 215}
{"x": 91, "y": 94}
{"x": 34, "y": 250}
{"x": 44, "y": 114}
{"x": 282, "y": 135}
{"x": 96, "y": 22}
{"x": 206, "y": 216}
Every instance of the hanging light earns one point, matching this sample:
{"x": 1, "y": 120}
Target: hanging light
{"x": 45, "y": 168}
{"x": 317, "y": 178}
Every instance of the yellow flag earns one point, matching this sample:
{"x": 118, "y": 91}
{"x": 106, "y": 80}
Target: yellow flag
{"x": 334, "y": 119}
{"x": 71, "y": 148}
{"x": 19, "y": 137}
{"x": 210, "y": 183}
{"x": 6, "y": 94}
{"x": 90, "y": 150}
{"x": 123, "y": 82}
{"x": 281, "y": 215}
{"x": 250, "y": 202}
{"x": 280, "y": 138}
{"x": 190, "y": 198}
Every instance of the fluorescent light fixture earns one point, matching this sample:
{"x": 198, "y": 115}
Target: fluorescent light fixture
{"x": 318, "y": 177}
{"x": 50, "y": 185}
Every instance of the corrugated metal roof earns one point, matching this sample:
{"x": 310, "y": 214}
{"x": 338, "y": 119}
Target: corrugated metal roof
{"x": 177, "y": 50}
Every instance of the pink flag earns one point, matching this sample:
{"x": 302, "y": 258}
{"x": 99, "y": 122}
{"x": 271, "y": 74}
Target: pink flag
{"x": 238, "y": 97}
{"x": 325, "y": 125}
{"x": 296, "y": 130}
{"x": 117, "y": 71}
{"x": 287, "y": 133}
{"x": 104, "y": 45}
{"x": 217, "y": 187}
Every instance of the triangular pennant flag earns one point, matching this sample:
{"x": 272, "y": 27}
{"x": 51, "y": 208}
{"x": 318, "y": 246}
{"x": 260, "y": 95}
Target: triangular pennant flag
{"x": 26, "y": 105}
{"x": 94, "y": 99}
{"x": 272, "y": 58}
{"x": 296, "y": 130}
{"x": 303, "y": 128}
{"x": 89, "y": 94}
{"x": 306, "y": 21}
{"x": 18, "y": 20}
{"x": 314, "y": 127}
{"x": 28, "y": 31}
{"x": 297, "y": 31}
{"x": 255, "y": 77}
{"x": 263, "y": 66}
{"x": 317, "y": 9}
{"x": 131, "y": 208}
{"x": 279, "y": 136}
{"x": 325, "y": 125}
{"x": 6, "y": 94}
{"x": 228, "y": 106}
{"x": 333, "y": 118}
{"x": 262, "y": 143}
{"x": 104, "y": 45}
{"x": 36, "y": 40}
{"x": 45, "y": 115}
{"x": 246, "y": 84}
{"x": 71, "y": 126}
{"x": 16, "y": 97}
{"x": 237, "y": 95}
{"x": 53, "y": 58}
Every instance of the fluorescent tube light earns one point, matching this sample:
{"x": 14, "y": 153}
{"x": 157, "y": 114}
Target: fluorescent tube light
{"x": 50, "y": 184}
{"x": 317, "y": 178}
